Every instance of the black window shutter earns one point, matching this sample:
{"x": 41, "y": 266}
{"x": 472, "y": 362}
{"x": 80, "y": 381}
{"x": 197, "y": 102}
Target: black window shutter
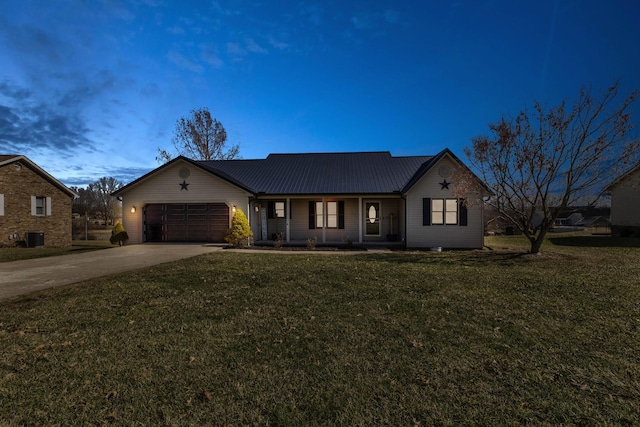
{"x": 312, "y": 215}
{"x": 463, "y": 212}
{"x": 341, "y": 214}
{"x": 426, "y": 211}
{"x": 270, "y": 210}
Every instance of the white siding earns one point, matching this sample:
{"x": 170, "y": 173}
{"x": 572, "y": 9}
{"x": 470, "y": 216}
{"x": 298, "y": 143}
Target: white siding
{"x": 164, "y": 187}
{"x": 446, "y": 236}
{"x": 625, "y": 201}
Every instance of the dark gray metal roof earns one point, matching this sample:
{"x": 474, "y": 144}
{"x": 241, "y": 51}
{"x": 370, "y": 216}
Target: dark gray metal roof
{"x": 321, "y": 173}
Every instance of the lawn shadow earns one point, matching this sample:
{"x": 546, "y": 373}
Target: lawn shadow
{"x": 596, "y": 241}
{"x": 453, "y": 257}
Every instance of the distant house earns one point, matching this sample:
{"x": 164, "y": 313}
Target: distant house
{"x": 35, "y": 208}
{"x": 364, "y": 198}
{"x": 625, "y": 203}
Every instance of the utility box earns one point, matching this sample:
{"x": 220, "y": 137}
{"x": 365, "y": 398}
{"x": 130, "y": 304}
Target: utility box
{"x": 35, "y": 239}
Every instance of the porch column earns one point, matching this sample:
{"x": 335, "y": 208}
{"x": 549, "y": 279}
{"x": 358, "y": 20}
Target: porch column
{"x": 287, "y": 217}
{"x": 360, "y": 220}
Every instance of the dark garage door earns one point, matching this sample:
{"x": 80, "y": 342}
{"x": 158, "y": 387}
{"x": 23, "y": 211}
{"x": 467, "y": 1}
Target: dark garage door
{"x": 186, "y": 222}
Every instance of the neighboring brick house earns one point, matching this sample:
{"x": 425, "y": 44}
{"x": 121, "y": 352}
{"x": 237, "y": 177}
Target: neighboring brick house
{"x": 35, "y": 208}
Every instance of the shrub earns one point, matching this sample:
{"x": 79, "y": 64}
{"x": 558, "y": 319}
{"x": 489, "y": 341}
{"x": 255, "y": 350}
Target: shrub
{"x": 312, "y": 242}
{"x": 279, "y": 241}
{"x": 118, "y": 235}
{"x": 240, "y": 231}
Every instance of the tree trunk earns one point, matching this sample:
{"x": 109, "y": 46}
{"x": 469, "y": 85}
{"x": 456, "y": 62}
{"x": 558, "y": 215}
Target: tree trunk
{"x": 536, "y": 244}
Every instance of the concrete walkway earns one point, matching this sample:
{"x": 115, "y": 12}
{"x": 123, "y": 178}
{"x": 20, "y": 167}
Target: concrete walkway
{"x": 26, "y": 276}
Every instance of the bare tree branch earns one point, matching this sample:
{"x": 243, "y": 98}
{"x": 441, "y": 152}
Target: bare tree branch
{"x": 545, "y": 159}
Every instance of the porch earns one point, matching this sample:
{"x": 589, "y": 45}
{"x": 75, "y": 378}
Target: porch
{"x": 331, "y": 221}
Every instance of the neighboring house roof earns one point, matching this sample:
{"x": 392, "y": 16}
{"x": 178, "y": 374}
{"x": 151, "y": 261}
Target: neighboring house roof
{"x": 593, "y": 221}
{"x": 6, "y": 159}
{"x": 318, "y": 173}
{"x": 621, "y": 178}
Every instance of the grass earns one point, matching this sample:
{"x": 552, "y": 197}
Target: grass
{"x": 18, "y": 253}
{"x": 452, "y": 338}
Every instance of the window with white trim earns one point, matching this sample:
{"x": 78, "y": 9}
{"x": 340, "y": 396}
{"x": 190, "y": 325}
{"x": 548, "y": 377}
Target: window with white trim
{"x": 40, "y": 206}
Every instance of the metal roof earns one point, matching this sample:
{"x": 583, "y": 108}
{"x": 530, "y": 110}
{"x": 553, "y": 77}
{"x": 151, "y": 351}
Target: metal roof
{"x": 321, "y": 173}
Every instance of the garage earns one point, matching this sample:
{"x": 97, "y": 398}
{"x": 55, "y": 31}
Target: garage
{"x": 186, "y": 222}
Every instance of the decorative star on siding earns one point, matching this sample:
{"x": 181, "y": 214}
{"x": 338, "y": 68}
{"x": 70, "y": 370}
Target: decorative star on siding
{"x": 184, "y": 185}
{"x": 445, "y": 185}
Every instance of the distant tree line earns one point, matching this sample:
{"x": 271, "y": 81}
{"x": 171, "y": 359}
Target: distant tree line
{"x": 96, "y": 199}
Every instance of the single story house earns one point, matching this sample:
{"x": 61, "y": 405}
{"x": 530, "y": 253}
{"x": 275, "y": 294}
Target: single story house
{"x": 625, "y": 203}
{"x": 35, "y": 208}
{"x": 363, "y": 198}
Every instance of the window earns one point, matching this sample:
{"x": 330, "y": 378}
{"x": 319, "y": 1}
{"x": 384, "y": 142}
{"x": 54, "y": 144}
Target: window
{"x": 276, "y": 209}
{"x": 332, "y": 215}
{"x": 319, "y": 215}
{"x": 279, "y": 208}
{"x": 326, "y": 215}
{"x": 40, "y": 206}
{"x": 444, "y": 212}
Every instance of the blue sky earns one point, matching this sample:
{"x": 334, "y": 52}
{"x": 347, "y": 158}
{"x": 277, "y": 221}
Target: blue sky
{"x": 93, "y": 88}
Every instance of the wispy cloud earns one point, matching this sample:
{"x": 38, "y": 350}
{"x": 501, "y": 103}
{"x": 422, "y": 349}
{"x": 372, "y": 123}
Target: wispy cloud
{"x": 278, "y": 44}
{"x": 183, "y": 62}
{"x": 27, "y": 125}
{"x": 254, "y": 47}
{"x": 209, "y": 54}
{"x": 376, "y": 20}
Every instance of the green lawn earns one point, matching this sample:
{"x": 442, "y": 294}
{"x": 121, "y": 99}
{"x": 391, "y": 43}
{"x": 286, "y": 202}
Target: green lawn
{"x": 19, "y": 253}
{"x": 406, "y": 338}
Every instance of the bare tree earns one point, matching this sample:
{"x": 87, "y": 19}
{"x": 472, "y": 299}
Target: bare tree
{"x": 84, "y": 203}
{"x": 200, "y": 137}
{"x": 546, "y": 159}
{"x": 105, "y": 203}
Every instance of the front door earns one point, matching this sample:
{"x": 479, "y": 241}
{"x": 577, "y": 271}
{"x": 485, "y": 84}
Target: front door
{"x": 372, "y": 219}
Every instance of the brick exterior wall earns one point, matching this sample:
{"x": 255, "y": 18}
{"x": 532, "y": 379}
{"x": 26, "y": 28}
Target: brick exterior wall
{"x": 18, "y": 185}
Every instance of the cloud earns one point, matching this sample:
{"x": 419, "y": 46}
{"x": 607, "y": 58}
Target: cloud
{"x": 277, "y": 43}
{"x": 374, "y": 21}
{"x": 235, "y": 49}
{"x": 181, "y": 61}
{"x": 209, "y": 55}
{"x": 176, "y": 30}
{"x": 27, "y": 125}
{"x": 391, "y": 16}
{"x": 252, "y": 46}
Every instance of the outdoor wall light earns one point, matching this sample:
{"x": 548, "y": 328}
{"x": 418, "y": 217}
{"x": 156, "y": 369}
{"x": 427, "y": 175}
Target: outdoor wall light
{"x": 234, "y": 208}
{"x": 133, "y": 209}
{"x": 257, "y": 208}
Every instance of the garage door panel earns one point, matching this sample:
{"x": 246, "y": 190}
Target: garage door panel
{"x": 178, "y": 222}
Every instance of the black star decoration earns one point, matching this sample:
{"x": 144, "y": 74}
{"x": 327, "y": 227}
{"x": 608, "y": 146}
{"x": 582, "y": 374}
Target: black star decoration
{"x": 445, "y": 185}
{"x": 184, "y": 185}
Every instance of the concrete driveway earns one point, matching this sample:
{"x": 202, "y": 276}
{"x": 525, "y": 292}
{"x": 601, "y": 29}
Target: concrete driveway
{"x": 26, "y": 276}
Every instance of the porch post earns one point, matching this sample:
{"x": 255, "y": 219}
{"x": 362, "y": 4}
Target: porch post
{"x": 287, "y": 215}
{"x": 360, "y": 220}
